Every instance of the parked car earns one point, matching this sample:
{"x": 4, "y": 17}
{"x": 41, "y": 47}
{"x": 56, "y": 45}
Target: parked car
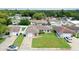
{"x": 68, "y": 39}
{"x": 12, "y": 48}
{"x": 24, "y": 35}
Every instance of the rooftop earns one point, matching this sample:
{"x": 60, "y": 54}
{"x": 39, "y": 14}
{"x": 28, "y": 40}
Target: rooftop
{"x": 75, "y": 21}
{"x": 63, "y": 29}
{"x": 14, "y": 29}
{"x": 39, "y": 21}
{"x": 36, "y": 28}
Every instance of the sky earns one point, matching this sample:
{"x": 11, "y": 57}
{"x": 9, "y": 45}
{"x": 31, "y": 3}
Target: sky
{"x": 40, "y": 8}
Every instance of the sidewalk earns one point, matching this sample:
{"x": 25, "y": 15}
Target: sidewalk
{"x": 75, "y": 44}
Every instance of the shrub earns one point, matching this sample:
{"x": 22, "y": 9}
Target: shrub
{"x": 41, "y": 32}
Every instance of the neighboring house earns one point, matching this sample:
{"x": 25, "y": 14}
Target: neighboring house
{"x": 14, "y": 30}
{"x": 54, "y": 21}
{"x": 39, "y": 22}
{"x": 65, "y": 20}
{"x": 76, "y": 22}
{"x": 64, "y": 31}
{"x": 17, "y": 29}
{"x": 35, "y": 29}
{"x": 74, "y": 28}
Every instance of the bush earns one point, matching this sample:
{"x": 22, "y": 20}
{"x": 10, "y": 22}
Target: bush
{"x": 41, "y": 32}
{"x": 7, "y": 33}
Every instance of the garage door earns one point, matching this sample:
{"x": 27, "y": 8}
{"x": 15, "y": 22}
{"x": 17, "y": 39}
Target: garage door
{"x": 13, "y": 33}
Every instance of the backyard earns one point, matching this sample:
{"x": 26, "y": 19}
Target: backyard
{"x": 49, "y": 40}
{"x": 18, "y": 41}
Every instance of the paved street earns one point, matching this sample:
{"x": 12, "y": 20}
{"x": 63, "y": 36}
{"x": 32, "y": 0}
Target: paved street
{"x": 75, "y": 44}
{"x": 8, "y": 41}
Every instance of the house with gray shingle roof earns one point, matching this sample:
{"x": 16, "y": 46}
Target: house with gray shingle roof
{"x": 64, "y": 31}
{"x": 35, "y": 29}
{"x": 14, "y": 30}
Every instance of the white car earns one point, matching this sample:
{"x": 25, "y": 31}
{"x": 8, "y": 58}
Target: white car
{"x": 68, "y": 39}
{"x": 12, "y": 48}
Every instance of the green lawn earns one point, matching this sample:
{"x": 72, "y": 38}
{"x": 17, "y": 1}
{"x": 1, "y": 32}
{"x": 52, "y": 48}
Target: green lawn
{"x": 1, "y": 40}
{"x": 49, "y": 40}
{"x": 18, "y": 41}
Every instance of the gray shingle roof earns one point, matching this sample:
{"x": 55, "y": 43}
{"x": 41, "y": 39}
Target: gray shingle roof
{"x": 36, "y": 28}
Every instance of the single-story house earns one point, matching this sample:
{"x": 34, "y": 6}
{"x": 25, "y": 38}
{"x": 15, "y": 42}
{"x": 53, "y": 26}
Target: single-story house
{"x": 65, "y": 20}
{"x": 35, "y": 29}
{"x": 14, "y": 30}
{"x": 74, "y": 28}
{"x": 54, "y": 22}
{"x": 64, "y": 31}
{"x": 76, "y": 22}
{"x": 17, "y": 29}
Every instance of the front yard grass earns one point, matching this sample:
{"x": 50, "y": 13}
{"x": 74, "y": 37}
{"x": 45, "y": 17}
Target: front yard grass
{"x": 1, "y": 40}
{"x": 19, "y": 40}
{"x": 49, "y": 40}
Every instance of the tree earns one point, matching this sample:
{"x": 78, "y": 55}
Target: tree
{"x": 39, "y": 16}
{"x": 3, "y": 15}
{"x": 24, "y": 22}
{"x": 5, "y": 21}
{"x": 8, "y": 21}
{"x": 3, "y": 29}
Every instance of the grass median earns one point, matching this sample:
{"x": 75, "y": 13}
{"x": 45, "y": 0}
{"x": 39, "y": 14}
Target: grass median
{"x": 19, "y": 40}
{"x": 1, "y": 40}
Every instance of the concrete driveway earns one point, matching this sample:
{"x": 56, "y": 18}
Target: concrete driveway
{"x": 26, "y": 44}
{"x": 75, "y": 44}
{"x": 8, "y": 41}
